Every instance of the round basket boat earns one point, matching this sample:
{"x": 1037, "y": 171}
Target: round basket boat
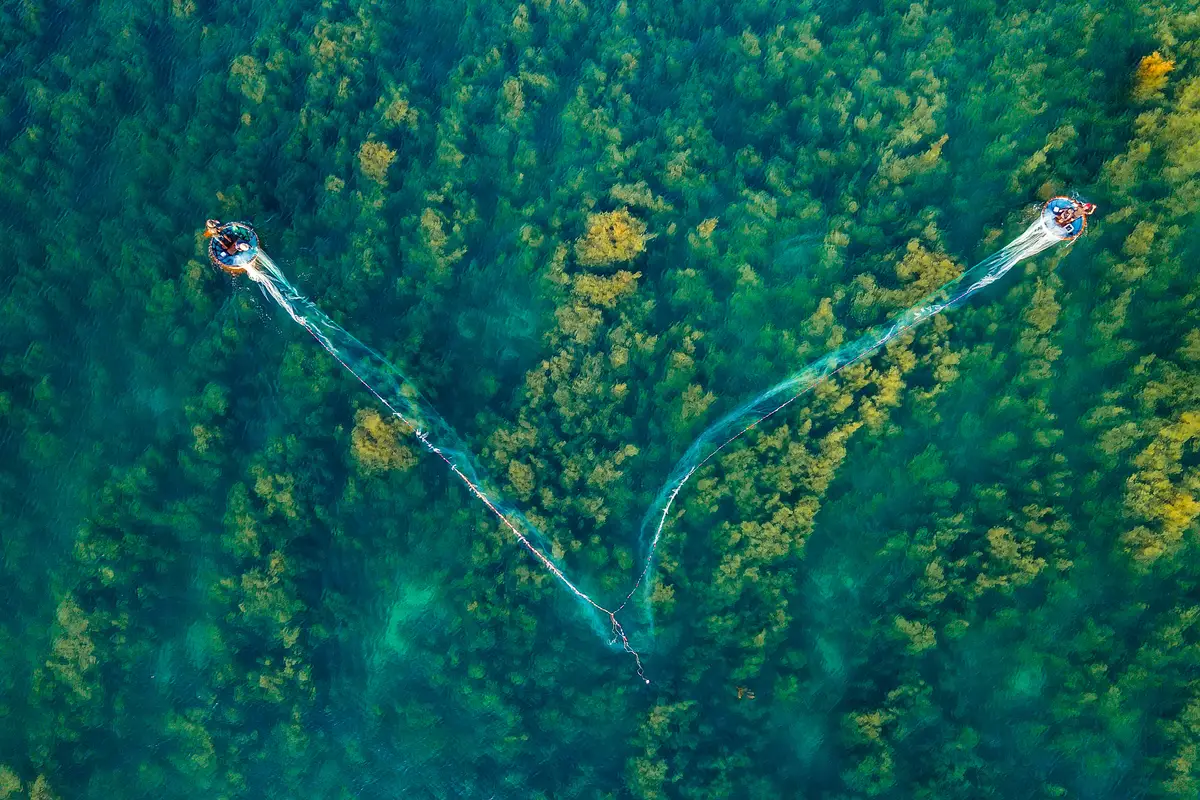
{"x": 1069, "y": 231}
{"x": 235, "y": 262}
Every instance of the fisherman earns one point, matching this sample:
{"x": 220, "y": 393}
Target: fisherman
{"x": 1066, "y": 215}
{"x": 230, "y": 243}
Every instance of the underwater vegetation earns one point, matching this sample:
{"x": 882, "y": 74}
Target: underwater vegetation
{"x": 964, "y": 566}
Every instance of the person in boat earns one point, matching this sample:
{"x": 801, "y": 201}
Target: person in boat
{"x": 230, "y": 243}
{"x": 1064, "y": 216}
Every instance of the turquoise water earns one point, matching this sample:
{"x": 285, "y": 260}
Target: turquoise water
{"x": 963, "y": 568}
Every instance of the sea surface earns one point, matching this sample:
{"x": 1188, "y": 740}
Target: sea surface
{"x": 566, "y": 239}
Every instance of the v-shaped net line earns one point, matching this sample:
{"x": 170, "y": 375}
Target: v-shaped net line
{"x": 400, "y": 396}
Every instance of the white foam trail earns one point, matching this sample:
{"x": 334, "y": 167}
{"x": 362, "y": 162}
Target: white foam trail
{"x": 403, "y": 400}
{"x": 731, "y": 427}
